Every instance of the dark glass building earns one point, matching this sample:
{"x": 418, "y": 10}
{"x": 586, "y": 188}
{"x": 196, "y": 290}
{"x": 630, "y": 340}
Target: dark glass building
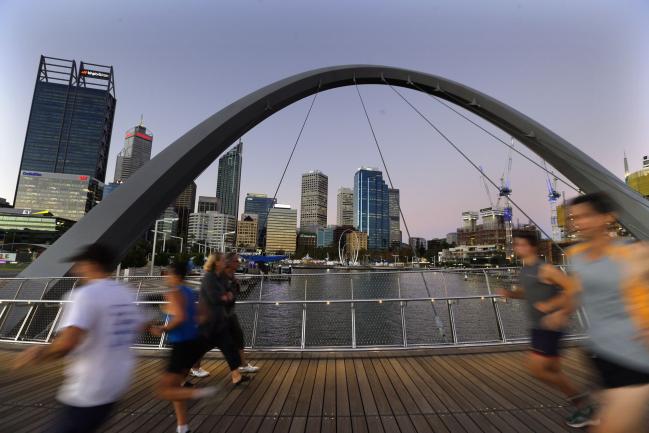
{"x": 259, "y": 204}
{"x": 71, "y": 119}
{"x": 229, "y": 180}
{"x": 372, "y": 207}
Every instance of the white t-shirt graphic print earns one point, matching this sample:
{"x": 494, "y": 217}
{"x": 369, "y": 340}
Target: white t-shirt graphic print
{"x": 99, "y": 370}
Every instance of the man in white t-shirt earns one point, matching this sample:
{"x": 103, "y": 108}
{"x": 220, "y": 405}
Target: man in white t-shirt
{"x": 97, "y": 328}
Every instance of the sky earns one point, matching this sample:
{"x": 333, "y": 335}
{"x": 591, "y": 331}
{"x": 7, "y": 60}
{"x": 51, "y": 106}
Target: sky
{"x": 580, "y": 68}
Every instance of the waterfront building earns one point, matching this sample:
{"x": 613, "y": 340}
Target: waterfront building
{"x": 638, "y": 180}
{"x": 212, "y": 229}
{"x": 67, "y": 196}
{"x": 306, "y": 243}
{"x": 30, "y": 226}
{"x": 418, "y": 243}
{"x": 325, "y": 236}
{"x": 451, "y": 238}
{"x": 70, "y": 121}
{"x": 395, "y": 218}
{"x": 345, "y": 207}
{"x": 281, "y": 229}
{"x": 355, "y": 242}
{"x": 208, "y": 204}
{"x": 371, "y": 207}
{"x": 229, "y": 180}
{"x": 247, "y": 232}
{"x": 136, "y": 152}
{"x": 261, "y": 205}
{"x": 313, "y": 203}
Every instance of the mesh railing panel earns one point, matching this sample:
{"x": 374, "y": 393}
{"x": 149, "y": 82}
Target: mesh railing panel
{"x": 279, "y": 325}
{"x": 423, "y": 323}
{"x": 378, "y": 324}
{"x": 328, "y": 325}
{"x": 475, "y": 320}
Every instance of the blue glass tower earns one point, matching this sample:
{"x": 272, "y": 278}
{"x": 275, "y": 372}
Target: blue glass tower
{"x": 259, "y": 204}
{"x": 372, "y": 207}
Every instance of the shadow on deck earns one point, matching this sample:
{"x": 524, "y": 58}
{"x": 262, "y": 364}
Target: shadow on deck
{"x": 458, "y": 393}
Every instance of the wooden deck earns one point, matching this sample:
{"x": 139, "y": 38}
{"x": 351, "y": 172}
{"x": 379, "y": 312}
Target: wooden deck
{"x": 468, "y": 393}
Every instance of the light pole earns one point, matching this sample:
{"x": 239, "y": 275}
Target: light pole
{"x": 164, "y": 245}
{"x": 155, "y": 239}
{"x": 223, "y": 239}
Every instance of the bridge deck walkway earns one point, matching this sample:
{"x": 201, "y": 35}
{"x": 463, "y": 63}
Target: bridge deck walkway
{"x": 339, "y": 392}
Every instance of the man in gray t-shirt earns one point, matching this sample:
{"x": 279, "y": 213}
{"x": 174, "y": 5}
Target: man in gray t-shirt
{"x": 97, "y": 329}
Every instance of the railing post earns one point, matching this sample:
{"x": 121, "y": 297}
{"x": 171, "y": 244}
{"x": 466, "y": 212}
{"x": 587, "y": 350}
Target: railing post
{"x": 303, "y": 338}
{"x": 402, "y": 307}
{"x": 47, "y": 284}
{"x": 254, "y": 323}
{"x": 54, "y": 323}
{"x": 494, "y": 303}
{"x": 20, "y": 286}
{"x": 164, "y": 334}
{"x": 451, "y": 317}
{"x": 351, "y": 283}
{"x": 22, "y": 326}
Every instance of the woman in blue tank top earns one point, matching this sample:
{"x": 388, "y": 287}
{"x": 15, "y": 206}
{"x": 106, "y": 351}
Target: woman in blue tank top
{"x": 181, "y": 330}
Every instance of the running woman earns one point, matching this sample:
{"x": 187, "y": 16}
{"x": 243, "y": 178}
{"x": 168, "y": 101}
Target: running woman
{"x": 615, "y": 293}
{"x": 96, "y": 331}
{"x": 232, "y": 288}
{"x": 550, "y": 299}
{"x": 181, "y": 330}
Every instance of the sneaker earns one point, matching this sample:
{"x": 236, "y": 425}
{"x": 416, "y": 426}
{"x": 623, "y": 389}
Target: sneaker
{"x": 249, "y": 368}
{"x": 199, "y": 372}
{"x": 582, "y": 418}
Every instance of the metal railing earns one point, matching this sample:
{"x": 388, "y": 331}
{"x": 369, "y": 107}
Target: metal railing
{"x": 341, "y": 311}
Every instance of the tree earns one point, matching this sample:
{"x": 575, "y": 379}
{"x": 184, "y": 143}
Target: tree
{"x": 162, "y": 259}
{"x": 136, "y": 257}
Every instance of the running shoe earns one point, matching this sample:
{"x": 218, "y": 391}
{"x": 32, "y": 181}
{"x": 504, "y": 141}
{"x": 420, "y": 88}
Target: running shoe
{"x": 249, "y": 368}
{"x": 582, "y": 418}
{"x": 199, "y": 372}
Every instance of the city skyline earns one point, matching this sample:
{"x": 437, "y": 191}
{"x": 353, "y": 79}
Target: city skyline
{"x": 418, "y": 161}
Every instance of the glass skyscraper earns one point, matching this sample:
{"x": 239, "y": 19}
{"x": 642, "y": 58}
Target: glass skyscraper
{"x": 136, "y": 152}
{"x": 371, "y": 207}
{"x": 395, "y": 219}
{"x": 261, "y": 205}
{"x": 229, "y": 180}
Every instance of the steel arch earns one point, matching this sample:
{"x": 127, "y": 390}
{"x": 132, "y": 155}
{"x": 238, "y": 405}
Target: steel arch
{"x": 128, "y": 211}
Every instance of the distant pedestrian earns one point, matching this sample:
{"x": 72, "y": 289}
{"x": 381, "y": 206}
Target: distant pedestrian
{"x": 181, "y": 331}
{"x": 550, "y": 296}
{"x": 615, "y": 292}
{"x": 97, "y": 329}
{"x": 232, "y": 288}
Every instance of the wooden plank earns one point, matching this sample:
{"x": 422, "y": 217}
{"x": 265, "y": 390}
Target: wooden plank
{"x": 278, "y": 400}
{"x": 298, "y": 425}
{"x": 304, "y": 400}
{"x": 317, "y": 396}
{"x": 292, "y": 398}
{"x": 382, "y": 404}
{"x": 365, "y": 390}
{"x": 342, "y": 391}
{"x": 330, "y": 394}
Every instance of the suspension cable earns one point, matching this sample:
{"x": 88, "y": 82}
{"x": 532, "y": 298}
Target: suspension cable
{"x": 473, "y": 164}
{"x": 491, "y": 134}
{"x": 385, "y": 167}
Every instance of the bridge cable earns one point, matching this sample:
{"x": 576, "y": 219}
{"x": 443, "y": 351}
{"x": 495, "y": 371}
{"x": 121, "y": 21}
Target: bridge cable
{"x": 440, "y": 101}
{"x": 473, "y": 164}
{"x": 438, "y": 320}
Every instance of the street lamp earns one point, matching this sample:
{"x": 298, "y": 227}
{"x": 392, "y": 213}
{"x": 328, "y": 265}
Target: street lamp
{"x": 223, "y": 239}
{"x": 164, "y": 244}
{"x": 155, "y": 239}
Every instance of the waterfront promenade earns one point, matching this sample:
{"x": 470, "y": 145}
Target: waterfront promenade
{"x": 365, "y": 392}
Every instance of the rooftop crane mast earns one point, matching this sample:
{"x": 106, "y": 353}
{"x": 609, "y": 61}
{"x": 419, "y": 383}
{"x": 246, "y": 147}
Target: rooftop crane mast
{"x": 553, "y": 196}
{"x": 504, "y": 193}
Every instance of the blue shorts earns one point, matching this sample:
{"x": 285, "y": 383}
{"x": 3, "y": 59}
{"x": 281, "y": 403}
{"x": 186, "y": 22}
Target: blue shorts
{"x": 546, "y": 342}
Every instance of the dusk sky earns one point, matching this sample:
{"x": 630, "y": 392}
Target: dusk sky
{"x": 578, "y": 67}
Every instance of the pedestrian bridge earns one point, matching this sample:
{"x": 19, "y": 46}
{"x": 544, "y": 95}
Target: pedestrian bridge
{"x": 365, "y": 392}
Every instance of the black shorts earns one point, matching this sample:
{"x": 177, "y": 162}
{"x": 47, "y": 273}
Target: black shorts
{"x": 613, "y": 375}
{"x": 237, "y": 333}
{"x": 546, "y": 342}
{"x": 75, "y": 419}
{"x": 184, "y": 354}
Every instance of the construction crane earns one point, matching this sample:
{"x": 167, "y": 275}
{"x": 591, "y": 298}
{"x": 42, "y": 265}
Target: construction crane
{"x": 486, "y": 187}
{"x": 505, "y": 191}
{"x": 553, "y": 196}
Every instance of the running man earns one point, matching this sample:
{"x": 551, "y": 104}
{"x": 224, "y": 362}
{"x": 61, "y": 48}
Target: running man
{"x": 232, "y": 288}
{"x": 97, "y": 329}
{"x": 615, "y": 293}
{"x": 186, "y": 346}
{"x": 550, "y": 299}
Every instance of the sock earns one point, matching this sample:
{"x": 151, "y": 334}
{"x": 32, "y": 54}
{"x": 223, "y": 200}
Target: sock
{"x": 208, "y": 391}
{"x": 182, "y": 428}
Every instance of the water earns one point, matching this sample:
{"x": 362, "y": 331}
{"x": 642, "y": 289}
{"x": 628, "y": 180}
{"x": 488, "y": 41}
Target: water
{"x": 378, "y": 323}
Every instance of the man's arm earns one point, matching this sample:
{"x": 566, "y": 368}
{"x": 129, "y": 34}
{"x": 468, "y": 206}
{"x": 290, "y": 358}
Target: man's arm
{"x": 65, "y": 342}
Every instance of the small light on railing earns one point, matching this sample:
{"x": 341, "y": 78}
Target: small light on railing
{"x": 482, "y": 298}
{"x": 328, "y": 302}
{"x": 380, "y": 301}
{"x": 276, "y": 303}
{"x": 432, "y": 300}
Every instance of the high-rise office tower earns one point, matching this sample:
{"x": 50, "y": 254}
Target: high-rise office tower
{"x": 259, "y": 204}
{"x": 136, "y": 152}
{"x": 281, "y": 229}
{"x": 70, "y": 122}
{"x": 313, "y": 205}
{"x": 371, "y": 207}
{"x": 395, "y": 219}
{"x": 247, "y": 232}
{"x": 183, "y": 206}
{"x": 212, "y": 229}
{"x": 208, "y": 204}
{"x": 345, "y": 207}
{"x": 229, "y": 180}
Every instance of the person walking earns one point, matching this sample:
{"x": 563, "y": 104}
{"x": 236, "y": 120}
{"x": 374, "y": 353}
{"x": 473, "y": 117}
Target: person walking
{"x": 181, "y": 330}
{"x": 96, "y": 331}
{"x": 232, "y": 288}
{"x": 614, "y": 287}
{"x": 550, "y": 298}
